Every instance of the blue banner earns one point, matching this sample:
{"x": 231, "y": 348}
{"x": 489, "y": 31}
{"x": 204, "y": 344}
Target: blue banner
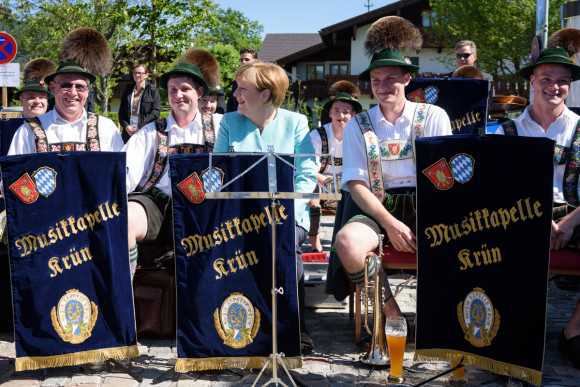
{"x": 464, "y": 100}
{"x": 69, "y": 259}
{"x": 223, "y": 250}
{"x": 484, "y": 213}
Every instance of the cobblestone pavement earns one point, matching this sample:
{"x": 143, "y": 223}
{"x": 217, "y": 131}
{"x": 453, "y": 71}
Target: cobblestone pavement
{"x": 334, "y": 361}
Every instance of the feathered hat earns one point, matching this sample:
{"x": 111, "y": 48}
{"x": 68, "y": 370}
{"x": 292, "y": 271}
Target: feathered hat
{"x": 385, "y": 40}
{"x": 199, "y": 64}
{"x": 468, "y": 71}
{"x": 33, "y": 77}
{"x": 344, "y": 91}
{"x": 84, "y": 51}
{"x": 561, "y": 46}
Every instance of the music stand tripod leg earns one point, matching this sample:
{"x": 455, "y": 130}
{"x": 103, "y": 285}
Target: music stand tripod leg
{"x": 125, "y": 370}
{"x": 275, "y": 357}
{"x": 7, "y": 375}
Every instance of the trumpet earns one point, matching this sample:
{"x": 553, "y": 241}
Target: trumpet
{"x": 377, "y": 354}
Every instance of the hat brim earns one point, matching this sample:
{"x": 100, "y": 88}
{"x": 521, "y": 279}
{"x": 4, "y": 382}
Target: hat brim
{"x": 527, "y": 71}
{"x": 50, "y": 78}
{"x": 49, "y": 95}
{"x": 355, "y": 104}
{"x": 366, "y": 74}
{"x": 165, "y": 78}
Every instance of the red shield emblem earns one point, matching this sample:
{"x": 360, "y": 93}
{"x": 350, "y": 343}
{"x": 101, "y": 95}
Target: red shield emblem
{"x": 440, "y": 174}
{"x": 394, "y": 149}
{"x": 69, "y": 147}
{"x": 192, "y": 188}
{"x": 25, "y": 189}
{"x": 417, "y": 96}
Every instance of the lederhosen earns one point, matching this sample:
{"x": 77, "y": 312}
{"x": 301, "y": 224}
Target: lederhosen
{"x": 562, "y": 156}
{"x": 400, "y": 202}
{"x": 92, "y": 142}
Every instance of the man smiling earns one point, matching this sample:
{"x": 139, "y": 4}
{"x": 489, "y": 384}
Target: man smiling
{"x": 550, "y": 76}
{"x": 149, "y": 208}
{"x": 382, "y": 184}
{"x": 69, "y": 126}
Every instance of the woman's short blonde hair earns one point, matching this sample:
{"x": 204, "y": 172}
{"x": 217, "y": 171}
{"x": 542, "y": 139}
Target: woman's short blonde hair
{"x": 265, "y": 76}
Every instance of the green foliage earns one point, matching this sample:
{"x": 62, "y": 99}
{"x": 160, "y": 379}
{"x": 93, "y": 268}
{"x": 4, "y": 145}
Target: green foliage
{"x": 135, "y": 29}
{"x": 502, "y": 29}
{"x": 228, "y": 58}
{"x": 234, "y": 28}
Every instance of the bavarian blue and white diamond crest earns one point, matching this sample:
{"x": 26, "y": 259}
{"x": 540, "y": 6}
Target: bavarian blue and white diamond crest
{"x": 431, "y": 94}
{"x": 214, "y": 181}
{"x": 462, "y": 166}
{"x": 45, "y": 179}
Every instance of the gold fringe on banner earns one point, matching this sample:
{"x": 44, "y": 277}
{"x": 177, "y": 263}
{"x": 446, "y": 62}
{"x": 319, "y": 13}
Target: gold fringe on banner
{"x": 222, "y": 363}
{"x": 76, "y": 358}
{"x": 527, "y": 374}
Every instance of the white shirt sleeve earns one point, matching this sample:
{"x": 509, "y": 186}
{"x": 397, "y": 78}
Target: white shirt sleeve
{"x": 353, "y": 155}
{"x": 140, "y": 151}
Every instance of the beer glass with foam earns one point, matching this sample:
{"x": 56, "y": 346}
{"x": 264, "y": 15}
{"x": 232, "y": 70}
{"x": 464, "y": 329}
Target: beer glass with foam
{"x": 396, "y": 331}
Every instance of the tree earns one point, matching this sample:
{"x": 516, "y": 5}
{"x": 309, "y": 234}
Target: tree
{"x": 135, "y": 29}
{"x": 169, "y": 24}
{"x": 224, "y": 39}
{"x": 502, "y": 29}
{"x": 232, "y": 27}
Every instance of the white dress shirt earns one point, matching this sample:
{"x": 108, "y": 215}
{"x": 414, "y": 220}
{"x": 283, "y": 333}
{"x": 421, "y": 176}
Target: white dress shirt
{"x": 396, "y": 173}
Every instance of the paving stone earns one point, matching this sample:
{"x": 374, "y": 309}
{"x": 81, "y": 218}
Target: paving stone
{"x": 119, "y": 380}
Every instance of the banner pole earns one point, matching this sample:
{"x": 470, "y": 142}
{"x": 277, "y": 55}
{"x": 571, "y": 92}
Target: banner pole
{"x": 275, "y": 357}
{"x": 4, "y": 97}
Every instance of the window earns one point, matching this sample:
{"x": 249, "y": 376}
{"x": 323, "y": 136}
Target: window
{"x": 428, "y": 18}
{"x": 314, "y": 72}
{"x": 339, "y": 69}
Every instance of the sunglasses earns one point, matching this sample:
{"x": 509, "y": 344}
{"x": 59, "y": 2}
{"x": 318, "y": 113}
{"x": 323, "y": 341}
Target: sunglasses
{"x": 464, "y": 56}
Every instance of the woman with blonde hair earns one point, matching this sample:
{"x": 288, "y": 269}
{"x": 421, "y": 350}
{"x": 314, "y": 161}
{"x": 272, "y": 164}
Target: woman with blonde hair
{"x": 259, "y": 123}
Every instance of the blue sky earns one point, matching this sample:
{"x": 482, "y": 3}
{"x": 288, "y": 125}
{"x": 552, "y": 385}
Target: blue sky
{"x": 295, "y": 16}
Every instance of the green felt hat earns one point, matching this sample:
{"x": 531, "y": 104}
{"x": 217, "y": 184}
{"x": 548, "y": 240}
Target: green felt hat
{"x": 346, "y": 98}
{"x": 385, "y": 58}
{"x": 216, "y": 90}
{"x": 187, "y": 69}
{"x": 552, "y": 55}
{"x": 34, "y": 85}
{"x": 70, "y": 66}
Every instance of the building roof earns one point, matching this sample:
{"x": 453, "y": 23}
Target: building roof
{"x": 276, "y": 46}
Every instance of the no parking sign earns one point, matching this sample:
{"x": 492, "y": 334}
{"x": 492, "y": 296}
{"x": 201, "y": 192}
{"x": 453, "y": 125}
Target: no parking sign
{"x": 8, "y": 48}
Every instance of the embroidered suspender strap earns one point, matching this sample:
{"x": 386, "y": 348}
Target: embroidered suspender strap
{"x": 208, "y": 132}
{"x": 373, "y": 154}
{"x": 41, "y": 143}
{"x": 39, "y": 134}
{"x": 560, "y": 152}
{"x": 160, "y": 155}
{"x": 324, "y": 148}
{"x": 93, "y": 141}
{"x": 570, "y": 183}
{"x": 418, "y": 128}
{"x": 509, "y": 128}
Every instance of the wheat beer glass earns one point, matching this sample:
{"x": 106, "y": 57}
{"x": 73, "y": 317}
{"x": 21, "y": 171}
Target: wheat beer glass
{"x": 396, "y": 330}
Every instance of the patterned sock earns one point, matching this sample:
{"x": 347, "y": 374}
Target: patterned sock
{"x": 358, "y": 278}
{"x": 133, "y": 255}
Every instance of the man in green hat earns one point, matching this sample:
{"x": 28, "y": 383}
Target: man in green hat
{"x": 34, "y": 95}
{"x": 382, "y": 182}
{"x": 550, "y": 77}
{"x": 68, "y": 126}
{"x": 183, "y": 131}
{"x": 327, "y": 139}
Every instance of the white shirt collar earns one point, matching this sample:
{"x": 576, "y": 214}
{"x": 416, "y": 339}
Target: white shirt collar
{"x": 58, "y": 119}
{"x": 567, "y": 115}
{"x": 408, "y": 112}
{"x": 171, "y": 123}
